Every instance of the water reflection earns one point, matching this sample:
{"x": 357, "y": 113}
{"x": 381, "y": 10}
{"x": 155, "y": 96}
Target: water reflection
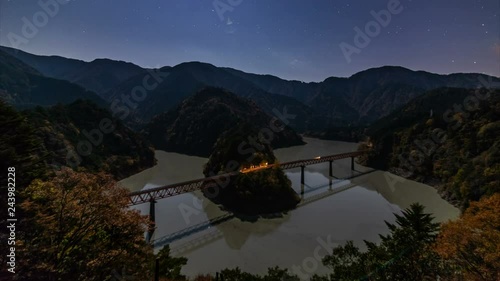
{"x": 402, "y": 192}
{"x": 334, "y": 186}
{"x": 352, "y": 205}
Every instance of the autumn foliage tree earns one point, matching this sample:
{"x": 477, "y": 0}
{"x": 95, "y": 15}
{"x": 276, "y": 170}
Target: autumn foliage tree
{"x": 471, "y": 244}
{"x": 78, "y": 227}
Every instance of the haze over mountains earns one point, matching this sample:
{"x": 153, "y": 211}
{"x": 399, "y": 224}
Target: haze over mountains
{"x": 357, "y": 100}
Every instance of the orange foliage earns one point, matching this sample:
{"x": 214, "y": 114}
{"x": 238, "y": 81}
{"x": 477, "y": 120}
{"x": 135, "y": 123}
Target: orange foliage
{"x": 472, "y": 243}
{"x": 78, "y": 224}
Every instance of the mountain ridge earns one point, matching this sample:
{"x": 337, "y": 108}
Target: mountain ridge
{"x": 357, "y": 100}
{"x": 194, "y": 126}
{"x": 24, "y": 87}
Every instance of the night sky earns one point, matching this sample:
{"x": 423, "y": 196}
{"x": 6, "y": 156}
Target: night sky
{"x": 293, "y": 39}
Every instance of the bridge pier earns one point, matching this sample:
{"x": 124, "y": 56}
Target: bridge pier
{"x": 352, "y": 163}
{"x": 302, "y": 174}
{"x": 331, "y": 169}
{"x": 152, "y": 220}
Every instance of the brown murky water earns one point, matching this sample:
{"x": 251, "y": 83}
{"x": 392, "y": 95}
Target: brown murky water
{"x": 332, "y": 212}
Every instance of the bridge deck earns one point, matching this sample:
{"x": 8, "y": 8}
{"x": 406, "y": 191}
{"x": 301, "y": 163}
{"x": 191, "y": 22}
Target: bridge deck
{"x": 148, "y": 195}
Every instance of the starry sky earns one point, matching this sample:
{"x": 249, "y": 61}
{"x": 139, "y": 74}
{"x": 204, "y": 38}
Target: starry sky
{"x": 292, "y": 39}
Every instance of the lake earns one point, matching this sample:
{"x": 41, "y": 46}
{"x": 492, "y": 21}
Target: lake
{"x": 332, "y": 211}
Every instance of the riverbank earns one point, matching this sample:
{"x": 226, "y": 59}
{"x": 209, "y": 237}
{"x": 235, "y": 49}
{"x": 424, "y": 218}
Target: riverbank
{"x": 345, "y": 210}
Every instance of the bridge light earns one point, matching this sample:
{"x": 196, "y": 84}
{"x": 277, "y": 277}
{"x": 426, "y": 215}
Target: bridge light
{"x": 317, "y": 157}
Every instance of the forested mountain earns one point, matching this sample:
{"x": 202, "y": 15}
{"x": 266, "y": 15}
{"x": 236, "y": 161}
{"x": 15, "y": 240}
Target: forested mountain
{"x": 196, "y": 123}
{"x": 366, "y": 95}
{"x": 358, "y": 100}
{"x": 79, "y": 135}
{"x": 447, "y": 138}
{"x": 99, "y": 75}
{"x": 260, "y": 192}
{"x": 24, "y": 87}
{"x": 184, "y": 80}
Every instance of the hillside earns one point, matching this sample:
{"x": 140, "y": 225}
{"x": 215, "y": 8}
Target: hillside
{"x": 20, "y": 148}
{"x": 59, "y": 136}
{"x": 186, "y": 79}
{"x": 365, "y": 96}
{"x": 99, "y": 76}
{"x": 436, "y": 140}
{"x": 24, "y": 87}
{"x": 194, "y": 126}
{"x": 254, "y": 193}
{"x": 358, "y": 100}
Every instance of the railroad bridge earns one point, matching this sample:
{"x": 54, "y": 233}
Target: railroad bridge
{"x": 151, "y": 195}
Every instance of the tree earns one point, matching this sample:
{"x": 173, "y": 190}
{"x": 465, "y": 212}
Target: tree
{"x": 277, "y": 273}
{"x": 403, "y": 254}
{"x": 471, "y": 244}
{"x": 78, "y": 227}
{"x": 22, "y": 150}
{"x": 253, "y": 193}
{"x": 19, "y": 147}
{"x": 170, "y": 267}
{"x": 409, "y": 246}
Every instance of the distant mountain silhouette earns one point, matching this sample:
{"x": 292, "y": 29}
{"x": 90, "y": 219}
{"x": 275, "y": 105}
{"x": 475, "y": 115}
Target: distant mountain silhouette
{"x": 186, "y": 79}
{"x": 24, "y": 87}
{"x": 194, "y": 126}
{"x": 365, "y": 96}
{"x": 358, "y": 100}
{"x": 99, "y": 75}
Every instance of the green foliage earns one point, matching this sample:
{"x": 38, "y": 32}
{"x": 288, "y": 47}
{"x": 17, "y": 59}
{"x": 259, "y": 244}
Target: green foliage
{"x": 62, "y": 128}
{"x": 458, "y": 152}
{"x": 233, "y": 146}
{"x": 258, "y": 192}
{"x": 273, "y": 274}
{"x": 194, "y": 126}
{"x": 339, "y": 133}
{"x": 237, "y": 275}
{"x": 77, "y": 226}
{"x": 403, "y": 254}
{"x": 19, "y": 147}
{"x": 170, "y": 267}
